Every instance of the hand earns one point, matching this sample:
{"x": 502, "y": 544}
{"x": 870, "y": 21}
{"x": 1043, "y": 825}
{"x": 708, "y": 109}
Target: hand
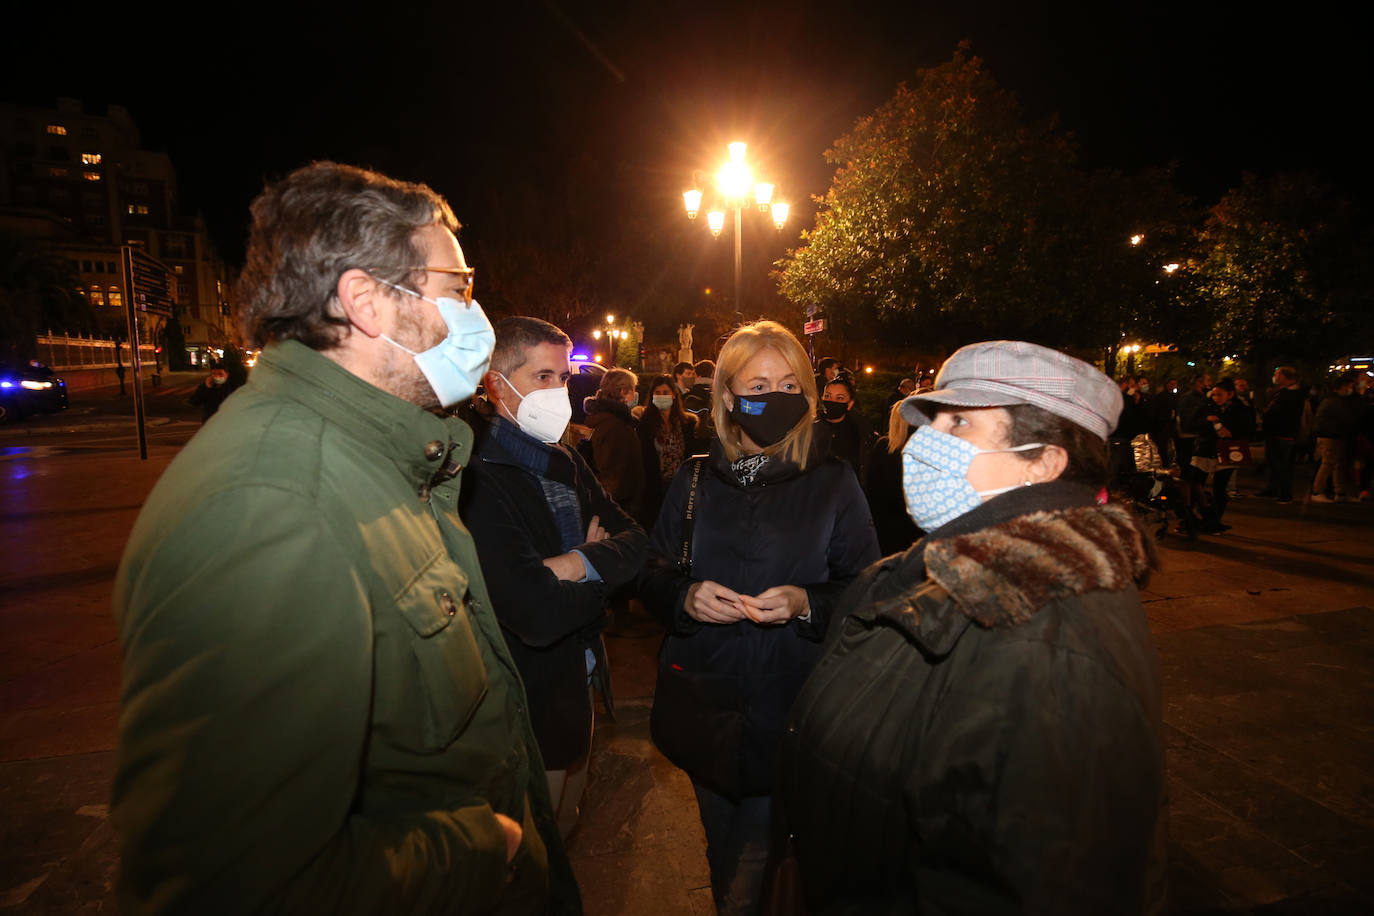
{"x": 514, "y": 833}
{"x": 567, "y": 567}
{"x": 777, "y": 605}
{"x": 595, "y": 532}
{"x": 711, "y": 602}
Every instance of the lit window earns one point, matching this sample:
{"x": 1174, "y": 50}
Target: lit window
{"x": 57, "y": 130}
{"x": 178, "y": 268}
{"x": 90, "y": 159}
{"x": 138, "y": 209}
{"x": 91, "y": 176}
{"x": 116, "y": 297}
{"x": 97, "y": 297}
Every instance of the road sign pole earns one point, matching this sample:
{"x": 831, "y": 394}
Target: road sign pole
{"x": 135, "y": 358}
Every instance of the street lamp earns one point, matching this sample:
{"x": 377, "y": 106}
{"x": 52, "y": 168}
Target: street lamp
{"x": 613, "y": 336}
{"x": 734, "y": 181}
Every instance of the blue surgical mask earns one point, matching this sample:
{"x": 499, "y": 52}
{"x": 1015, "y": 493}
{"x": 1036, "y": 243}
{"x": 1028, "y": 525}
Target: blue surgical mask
{"x": 935, "y": 476}
{"x": 454, "y": 367}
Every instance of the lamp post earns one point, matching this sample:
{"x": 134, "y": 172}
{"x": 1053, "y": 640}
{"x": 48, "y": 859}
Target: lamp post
{"x": 733, "y": 182}
{"x": 613, "y": 336}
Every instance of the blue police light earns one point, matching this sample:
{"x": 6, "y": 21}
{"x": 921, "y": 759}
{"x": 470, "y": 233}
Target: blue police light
{"x": 579, "y": 358}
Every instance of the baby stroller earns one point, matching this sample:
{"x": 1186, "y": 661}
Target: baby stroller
{"x": 1153, "y": 490}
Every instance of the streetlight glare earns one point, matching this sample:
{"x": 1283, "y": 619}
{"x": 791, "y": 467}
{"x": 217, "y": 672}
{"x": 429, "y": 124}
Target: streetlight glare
{"x": 763, "y": 194}
{"x": 734, "y": 180}
{"x": 610, "y": 319}
{"x": 1170, "y": 268}
{"x": 1137, "y": 239}
{"x": 780, "y": 214}
{"x": 734, "y": 186}
{"x": 596, "y": 333}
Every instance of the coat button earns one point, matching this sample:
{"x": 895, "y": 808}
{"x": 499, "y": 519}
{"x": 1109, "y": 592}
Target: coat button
{"x": 434, "y": 450}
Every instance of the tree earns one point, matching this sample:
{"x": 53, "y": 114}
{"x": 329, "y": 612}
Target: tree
{"x": 37, "y": 293}
{"x": 1283, "y": 272}
{"x": 948, "y": 208}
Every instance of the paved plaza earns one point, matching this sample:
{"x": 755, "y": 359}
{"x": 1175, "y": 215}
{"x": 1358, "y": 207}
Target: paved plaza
{"x": 1266, "y": 637}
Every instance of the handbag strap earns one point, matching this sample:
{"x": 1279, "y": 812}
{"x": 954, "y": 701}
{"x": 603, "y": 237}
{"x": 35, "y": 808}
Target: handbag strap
{"x": 685, "y": 557}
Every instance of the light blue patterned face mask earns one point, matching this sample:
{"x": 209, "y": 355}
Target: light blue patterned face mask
{"x": 935, "y": 476}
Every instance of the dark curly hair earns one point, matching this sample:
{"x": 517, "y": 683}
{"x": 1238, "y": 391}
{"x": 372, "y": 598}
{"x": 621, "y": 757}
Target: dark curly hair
{"x": 313, "y": 225}
{"x": 1087, "y": 453}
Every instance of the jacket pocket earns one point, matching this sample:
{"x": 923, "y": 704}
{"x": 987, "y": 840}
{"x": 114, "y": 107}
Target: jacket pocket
{"x": 453, "y": 678}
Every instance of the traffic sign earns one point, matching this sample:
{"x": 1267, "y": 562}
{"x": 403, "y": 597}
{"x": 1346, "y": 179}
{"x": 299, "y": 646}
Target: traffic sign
{"x": 814, "y": 327}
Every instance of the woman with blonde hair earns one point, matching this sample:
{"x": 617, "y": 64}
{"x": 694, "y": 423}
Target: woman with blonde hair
{"x": 753, "y": 546}
{"x": 883, "y": 487}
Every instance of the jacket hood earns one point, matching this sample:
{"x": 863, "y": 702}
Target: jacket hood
{"x": 600, "y": 410}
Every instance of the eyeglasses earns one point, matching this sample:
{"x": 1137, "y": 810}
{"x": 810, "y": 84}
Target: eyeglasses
{"x": 465, "y": 272}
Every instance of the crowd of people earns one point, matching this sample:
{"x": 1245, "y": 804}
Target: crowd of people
{"x": 1204, "y": 431}
{"x": 905, "y": 669}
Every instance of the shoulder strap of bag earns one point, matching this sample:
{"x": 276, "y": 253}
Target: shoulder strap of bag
{"x": 685, "y": 557}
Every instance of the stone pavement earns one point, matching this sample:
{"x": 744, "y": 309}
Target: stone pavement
{"x": 1266, "y": 637}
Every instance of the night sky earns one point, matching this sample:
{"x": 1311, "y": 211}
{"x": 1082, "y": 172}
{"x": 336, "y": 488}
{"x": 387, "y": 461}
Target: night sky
{"x": 551, "y": 121}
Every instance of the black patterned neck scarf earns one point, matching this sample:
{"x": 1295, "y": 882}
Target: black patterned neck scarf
{"x": 747, "y": 467}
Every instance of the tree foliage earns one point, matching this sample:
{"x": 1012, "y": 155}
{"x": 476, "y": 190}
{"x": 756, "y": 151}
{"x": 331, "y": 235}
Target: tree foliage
{"x": 949, "y": 208}
{"x": 1283, "y": 271}
{"x": 37, "y": 294}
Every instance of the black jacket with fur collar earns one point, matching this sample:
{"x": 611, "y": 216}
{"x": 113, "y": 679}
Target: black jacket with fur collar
{"x": 984, "y": 731}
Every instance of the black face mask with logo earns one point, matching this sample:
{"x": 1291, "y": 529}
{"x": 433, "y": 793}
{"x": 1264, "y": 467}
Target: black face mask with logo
{"x": 835, "y": 410}
{"x": 768, "y": 418}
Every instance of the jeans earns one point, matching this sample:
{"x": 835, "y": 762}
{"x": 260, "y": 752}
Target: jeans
{"x": 737, "y": 839}
{"x": 1278, "y": 454}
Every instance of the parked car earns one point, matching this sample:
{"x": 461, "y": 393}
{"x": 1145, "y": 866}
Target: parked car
{"x": 29, "y": 387}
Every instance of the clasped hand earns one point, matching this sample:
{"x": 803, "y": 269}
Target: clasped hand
{"x": 711, "y": 602}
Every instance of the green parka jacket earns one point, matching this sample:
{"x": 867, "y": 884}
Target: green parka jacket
{"x": 318, "y": 710}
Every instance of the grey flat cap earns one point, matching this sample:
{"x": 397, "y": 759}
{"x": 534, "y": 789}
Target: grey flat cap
{"x": 1000, "y": 373}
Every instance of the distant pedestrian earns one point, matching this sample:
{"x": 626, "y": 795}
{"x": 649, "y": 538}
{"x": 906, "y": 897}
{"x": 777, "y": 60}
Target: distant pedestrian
{"x": 668, "y": 435}
{"x": 899, "y": 393}
{"x": 698, "y": 397}
{"x": 841, "y": 429}
{"x": 119, "y": 374}
{"x": 1335, "y": 427}
{"x": 615, "y": 442}
{"x": 1282, "y": 425}
{"x": 210, "y": 394}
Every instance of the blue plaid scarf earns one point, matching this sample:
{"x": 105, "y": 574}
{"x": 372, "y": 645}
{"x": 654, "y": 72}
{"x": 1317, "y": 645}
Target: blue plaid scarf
{"x": 554, "y": 471}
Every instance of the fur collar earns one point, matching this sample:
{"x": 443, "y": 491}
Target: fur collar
{"x": 1001, "y": 575}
